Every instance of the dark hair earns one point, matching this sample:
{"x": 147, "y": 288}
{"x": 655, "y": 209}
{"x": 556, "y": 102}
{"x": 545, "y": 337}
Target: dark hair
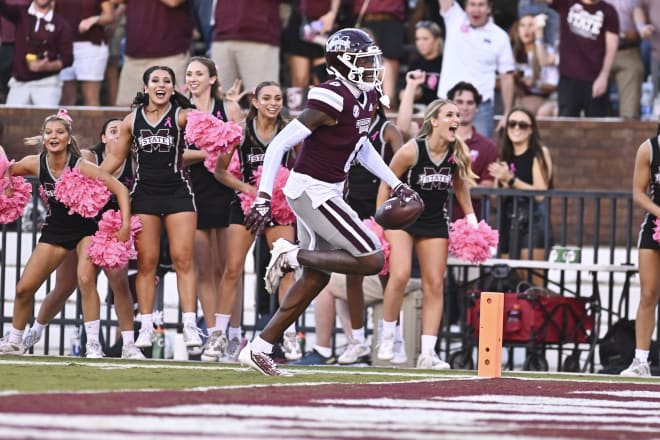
{"x": 252, "y": 112}
{"x": 104, "y": 127}
{"x": 213, "y": 71}
{"x": 464, "y": 86}
{"x": 178, "y": 99}
{"x": 535, "y": 145}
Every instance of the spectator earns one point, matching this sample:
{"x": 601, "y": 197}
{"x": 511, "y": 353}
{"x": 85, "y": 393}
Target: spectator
{"x": 483, "y": 150}
{"x": 246, "y": 45}
{"x": 473, "y": 32}
{"x": 385, "y": 19}
{"x": 44, "y": 46}
{"x": 588, "y": 40}
{"x": 628, "y": 69}
{"x": 115, "y": 35}
{"x": 650, "y": 10}
{"x": 305, "y": 57}
{"x": 428, "y": 42}
{"x": 164, "y": 39}
{"x": 90, "y": 51}
{"x": 7, "y": 49}
{"x": 537, "y": 74}
{"x": 431, "y": 163}
{"x": 526, "y": 165}
{"x": 537, "y": 7}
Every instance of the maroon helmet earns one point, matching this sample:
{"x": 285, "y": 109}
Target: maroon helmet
{"x": 353, "y": 55}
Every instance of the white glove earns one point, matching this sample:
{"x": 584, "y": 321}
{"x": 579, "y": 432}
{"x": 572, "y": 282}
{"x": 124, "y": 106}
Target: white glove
{"x": 471, "y": 220}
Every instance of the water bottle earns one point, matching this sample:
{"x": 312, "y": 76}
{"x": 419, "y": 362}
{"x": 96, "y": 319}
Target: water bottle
{"x": 656, "y": 107}
{"x": 301, "y": 341}
{"x": 646, "y": 102}
{"x": 158, "y": 346}
{"x": 75, "y": 342}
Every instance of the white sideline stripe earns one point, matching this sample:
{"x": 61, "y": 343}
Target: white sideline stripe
{"x": 627, "y": 394}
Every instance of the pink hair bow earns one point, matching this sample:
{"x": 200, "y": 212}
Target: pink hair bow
{"x": 63, "y": 114}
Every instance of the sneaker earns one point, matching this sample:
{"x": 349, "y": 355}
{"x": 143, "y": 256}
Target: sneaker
{"x": 431, "y": 361}
{"x": 278, "y": 264}
{"x": 234, "y": 346}
{"x": 215, "y": 348}
{"x": 292, "y": 350}
{"x": 30, "y": 339}
{"x": 7, "y": 347}
{"x": 315, "y": 358}
{"x": 260, "y": 362}
{"x": 130, "y": 351}
{"x": 192, "y": 335}
{"x": 399, "y": 351}
{"x": 93, "y": 350}
{"x": 386, "y": 348}
{"x": 355, "y": 352}
{"x": 146, "y": 337}
{"x": 637, "y": 369}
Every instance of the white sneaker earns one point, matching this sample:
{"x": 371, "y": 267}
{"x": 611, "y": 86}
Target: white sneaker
{"x": 386, "y": 348}
{"x": 234, "y": 346}
{"x": 431, "y": 361}
{"x": 292, "y": 350}
{"x": 192, "y": 335}
{"x": 354, "y": 352}
{"x": 637, "y": 369}
{"x": 130, "y": 351}
{"x": 93, "y": 350}
{"x": 399, "y": 351}
{"x": 260, "y": 362}
{"x": 216, "y": 345}
{"x": 7, "y": 347}
{"x": 30, "y": 339}
{"x": 278, "y": 264}
{"x": 145, "y": 337}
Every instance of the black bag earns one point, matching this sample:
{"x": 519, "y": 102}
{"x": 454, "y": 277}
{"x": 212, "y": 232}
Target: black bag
{"x": 617, "y": 348}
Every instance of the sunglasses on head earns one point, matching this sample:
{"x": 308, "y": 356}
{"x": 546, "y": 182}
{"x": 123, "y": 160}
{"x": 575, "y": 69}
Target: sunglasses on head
{"x": 520, "y": 124}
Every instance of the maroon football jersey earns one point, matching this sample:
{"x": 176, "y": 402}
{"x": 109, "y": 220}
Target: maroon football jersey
{"x": 327, "y": 153}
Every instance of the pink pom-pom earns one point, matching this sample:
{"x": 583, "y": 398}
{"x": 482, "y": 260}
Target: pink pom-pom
{"x": 12, "y": 206}
{"x": 656, "y": 231}
{"x": 384, "y": 244}
{"x": 211, "y": 134}
{"x": 280, "y": 209}
{"x": 106, "y": 250}
{"x": 82, "y": 194}
{"x": 472, "y": 244}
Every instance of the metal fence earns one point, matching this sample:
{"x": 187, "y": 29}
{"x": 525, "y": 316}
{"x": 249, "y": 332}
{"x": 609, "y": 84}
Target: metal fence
{"x": 601, "y": 224}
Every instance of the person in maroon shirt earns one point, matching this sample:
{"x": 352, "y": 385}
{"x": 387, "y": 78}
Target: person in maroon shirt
{"x": 90, "y": 51}
{"x": 158, "y": 33}
{"x": 44, "y": 46}
{"x": 334, "y": 127}
{"x": 7, "y": 49}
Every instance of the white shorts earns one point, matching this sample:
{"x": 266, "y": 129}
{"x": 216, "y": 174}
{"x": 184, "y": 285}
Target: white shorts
{"x": 45, "y": 92}
{"x": 89, "y": 61}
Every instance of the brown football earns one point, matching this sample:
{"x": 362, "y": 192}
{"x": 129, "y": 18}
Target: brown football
{"x": 393, "y": 215}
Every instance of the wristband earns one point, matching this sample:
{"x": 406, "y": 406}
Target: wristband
{"x": 471, "y": 219}
{"x": 511, "y": 181}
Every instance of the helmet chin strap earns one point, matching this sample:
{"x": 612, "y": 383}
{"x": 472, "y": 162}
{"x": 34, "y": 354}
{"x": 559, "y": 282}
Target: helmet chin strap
{"x": 382, "y": 97}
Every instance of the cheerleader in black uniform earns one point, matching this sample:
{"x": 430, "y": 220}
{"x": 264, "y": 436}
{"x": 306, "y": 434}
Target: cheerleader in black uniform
{"x": 262, "y": 123}
{"x": 65, "y": 279}
{"x": 431, "y": 163}
{"x": 61, "y": 232}
{"x": 162, "y": 191}
{"x": 646, "y": 194}
{"x": 212, "y": 199}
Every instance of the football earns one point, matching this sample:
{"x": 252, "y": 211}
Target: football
{"x": 393, "y": 215}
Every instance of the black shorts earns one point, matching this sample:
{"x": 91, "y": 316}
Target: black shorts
{"x": 389, "y": 35}
{"x": 67, "y": 239}
{"x": 645, "y": 239}
{"x": 292, "y": 44}
{"x": 213, "y": 212}
{"x": 365, "y": 207}
{"x": 428, "y": 229}
{"x": 154, "y": 200}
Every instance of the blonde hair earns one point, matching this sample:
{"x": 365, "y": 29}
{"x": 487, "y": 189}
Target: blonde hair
{"x": 461, "y": 150}
{"x": 62, "y": 117}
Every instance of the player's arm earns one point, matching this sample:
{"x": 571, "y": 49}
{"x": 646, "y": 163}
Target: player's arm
{"x": 402, "y": 161}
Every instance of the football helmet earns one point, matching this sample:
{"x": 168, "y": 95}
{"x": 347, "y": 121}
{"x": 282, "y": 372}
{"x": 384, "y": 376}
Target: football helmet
{"x": 353, "y": 55}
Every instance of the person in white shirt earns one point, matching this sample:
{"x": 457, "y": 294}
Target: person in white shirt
{"x": 483, "y": 51}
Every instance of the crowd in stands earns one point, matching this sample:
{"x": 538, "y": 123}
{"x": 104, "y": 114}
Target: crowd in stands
{"x": 553, "y": 57}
